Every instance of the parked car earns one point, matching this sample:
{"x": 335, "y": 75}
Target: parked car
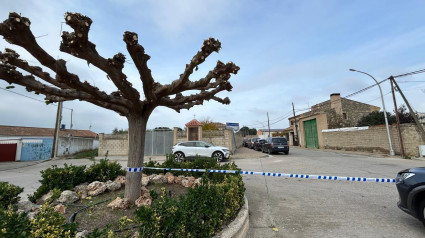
{"x": 259, "y": 144}
{"x": 245, "y": 142}
{"x": 252, "y": 141}
{"x": 275, "y": 145}
{"x": 192, "y": 149}
{"x": 411, "y": 189}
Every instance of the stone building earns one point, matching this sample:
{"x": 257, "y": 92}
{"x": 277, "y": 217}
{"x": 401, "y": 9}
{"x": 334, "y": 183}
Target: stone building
{"x": 336, "y": 112}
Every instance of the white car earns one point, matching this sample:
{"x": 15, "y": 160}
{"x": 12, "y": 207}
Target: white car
{"x": 189, "y": 149}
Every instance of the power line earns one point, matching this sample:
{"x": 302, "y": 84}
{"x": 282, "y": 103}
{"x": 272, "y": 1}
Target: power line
{"x": 32, "y": 98}
{"x": 350, "y": 95}
{"x": 411, "y": 73}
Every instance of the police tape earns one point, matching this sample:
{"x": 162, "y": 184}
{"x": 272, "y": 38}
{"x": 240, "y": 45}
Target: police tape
{"x": 283, "y": 175}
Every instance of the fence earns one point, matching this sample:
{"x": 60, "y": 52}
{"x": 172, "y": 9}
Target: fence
{"x": 156, "y": 143}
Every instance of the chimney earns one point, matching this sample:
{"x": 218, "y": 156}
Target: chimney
{"x": 336, "y": 103}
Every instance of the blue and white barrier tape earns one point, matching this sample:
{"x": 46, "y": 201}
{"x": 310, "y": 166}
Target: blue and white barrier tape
{"x": 134, "y": 169}
{"x": 304, "y": 176}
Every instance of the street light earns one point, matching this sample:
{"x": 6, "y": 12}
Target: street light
{"x": 383, "y": 107}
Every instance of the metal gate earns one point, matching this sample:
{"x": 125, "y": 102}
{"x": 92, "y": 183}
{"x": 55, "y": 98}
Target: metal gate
{"x": 310, "y": 129}
{"x": 7, "y": 152}
{"x": 158, "y": 142}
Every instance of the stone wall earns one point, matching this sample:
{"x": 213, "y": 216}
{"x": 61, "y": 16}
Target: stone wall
{"x": 375, "y": 139}
{"x": 356, "y": 110}
{"x": 219, "y": 138}
{"x": 114, "y": 144}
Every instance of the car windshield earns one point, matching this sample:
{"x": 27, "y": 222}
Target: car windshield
{"x": 279, "y": 140}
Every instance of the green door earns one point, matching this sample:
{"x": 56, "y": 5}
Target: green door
{"x": 310, "y": 129}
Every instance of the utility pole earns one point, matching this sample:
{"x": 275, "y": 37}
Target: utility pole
{"x": 268, "y": 122}
{"x": 72, "y": 110}
{"x": 56, "y": 135}
{"x": 418, "y": 124}
{"x": 398, "y": 120}
{"x": 296, "y": 127}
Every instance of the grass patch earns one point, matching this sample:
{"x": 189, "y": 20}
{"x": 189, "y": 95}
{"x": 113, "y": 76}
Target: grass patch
{"x": 86, "y": 154}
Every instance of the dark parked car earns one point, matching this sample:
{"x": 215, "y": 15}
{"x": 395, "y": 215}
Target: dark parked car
{"x": 259, "y": 144}
{"x": 251, "y": 142}
{"x": 275, "y": 145}
{"x": 245, "y": 142}
{"x": 411, "y": 188}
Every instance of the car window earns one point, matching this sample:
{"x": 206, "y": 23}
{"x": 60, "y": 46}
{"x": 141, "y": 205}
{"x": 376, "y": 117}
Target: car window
{"x": 188, "y": 144}
{"x": 279, "y": 140}
{"x": 200, "y": 144}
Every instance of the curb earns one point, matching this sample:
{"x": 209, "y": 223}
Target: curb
{"x": 238, "y": 228}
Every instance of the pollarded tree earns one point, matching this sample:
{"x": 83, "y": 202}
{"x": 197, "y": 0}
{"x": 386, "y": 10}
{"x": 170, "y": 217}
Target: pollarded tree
{"x": 66, "y": 86}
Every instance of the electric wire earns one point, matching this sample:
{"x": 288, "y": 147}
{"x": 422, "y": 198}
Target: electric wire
{"x": 32, "y": 98}
{"x": 352, "y": 94}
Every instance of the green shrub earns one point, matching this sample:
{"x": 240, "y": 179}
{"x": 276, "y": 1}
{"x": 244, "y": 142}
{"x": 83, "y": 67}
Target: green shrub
{"x": 49, "y": 223}
{"x": 199, "y": 213}
{"x": 104, "y": 171}
{"x": 14, "y": 224}
{"x": 9, "y": 194}
{"x": 61, "y": 178}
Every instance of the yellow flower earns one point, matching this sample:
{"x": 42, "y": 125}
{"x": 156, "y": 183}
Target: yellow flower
{"x": 3, "y": 230}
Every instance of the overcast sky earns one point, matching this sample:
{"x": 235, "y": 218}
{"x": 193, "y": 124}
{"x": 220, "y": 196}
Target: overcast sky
{"x": 288, "y": 51}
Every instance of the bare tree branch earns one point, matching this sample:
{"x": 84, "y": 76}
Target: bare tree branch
{"x": 11, "y": 75}
{"x": 16, "y": 31}
{"x": 12, "y": 58}
{"x": 78, "y": 45}
{"x": 178, "y": 85}
{"x": 140, "y": 59}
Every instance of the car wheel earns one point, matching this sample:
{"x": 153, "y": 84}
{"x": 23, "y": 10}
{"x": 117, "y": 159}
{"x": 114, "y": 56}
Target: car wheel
{"x": 286, "y": 152}
{"x": 421, "y": 212}
{"x": 218, "y": 156}
{"x": 178, "y": 156}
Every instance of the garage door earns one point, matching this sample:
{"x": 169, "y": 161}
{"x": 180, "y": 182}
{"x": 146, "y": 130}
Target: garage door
{"x": 7, "y": 152}
{"x": 311, "y": 139}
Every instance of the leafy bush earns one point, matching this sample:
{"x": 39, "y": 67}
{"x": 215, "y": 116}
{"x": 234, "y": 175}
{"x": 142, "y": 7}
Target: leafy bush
{"x": 14, "y": 224}
{"x": 376, "y": 118}
{"x": 61, "y": 178}
{"x": 68, "y": 177}
{"x": 198, "y": 163}
{"x": 199, "y": 213}
{"x": 104, "y": 171}
{"x": 9, "y": 194}
{"x": 49, "y": 223}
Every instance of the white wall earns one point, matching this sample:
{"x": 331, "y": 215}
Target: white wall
{"x": 72, "y": 145}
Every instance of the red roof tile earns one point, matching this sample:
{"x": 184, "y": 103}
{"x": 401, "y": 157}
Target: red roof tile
{"x": 194, "y": 122}
{"x": 35, "y": 131}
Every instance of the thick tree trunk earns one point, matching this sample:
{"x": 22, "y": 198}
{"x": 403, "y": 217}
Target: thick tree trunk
{"x": 136, "y": 141}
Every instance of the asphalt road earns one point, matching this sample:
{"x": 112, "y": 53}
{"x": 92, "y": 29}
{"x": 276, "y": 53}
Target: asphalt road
{"x": 297, "y": 207}
{"x": 323, "y": 208}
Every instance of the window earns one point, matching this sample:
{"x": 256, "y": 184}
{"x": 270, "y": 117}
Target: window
{"x": 279, "y": 140}
{"x": 292, "y": 123}
{"x": 344, "y": 116}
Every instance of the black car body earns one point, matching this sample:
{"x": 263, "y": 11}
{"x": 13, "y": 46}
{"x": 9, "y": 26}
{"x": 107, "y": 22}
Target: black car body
{"x": 259, "y": 144}
{"x": 411, "y": 189}
{"x": 275, "y": 145}
{"x": 245, "y": 142}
